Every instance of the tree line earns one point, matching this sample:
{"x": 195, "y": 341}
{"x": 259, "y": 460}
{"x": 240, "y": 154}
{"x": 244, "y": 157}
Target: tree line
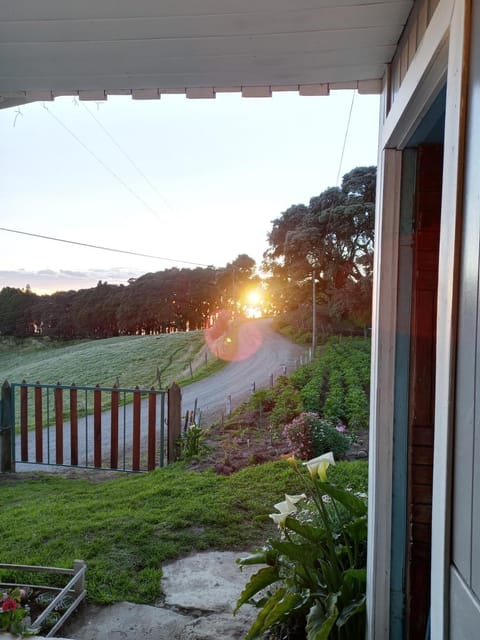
{"x": 330, "y": 240}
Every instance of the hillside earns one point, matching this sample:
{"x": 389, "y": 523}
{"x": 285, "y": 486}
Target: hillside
{"x": 126, "y": 360}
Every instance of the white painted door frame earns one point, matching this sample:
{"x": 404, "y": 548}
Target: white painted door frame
{"x": 439, "y": 59}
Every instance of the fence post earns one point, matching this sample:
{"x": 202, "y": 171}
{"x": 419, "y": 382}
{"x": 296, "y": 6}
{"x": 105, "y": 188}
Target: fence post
{"x": 7, "y": 463}
{"x": 79, "y": 587}
{"x": 174, "y": 422}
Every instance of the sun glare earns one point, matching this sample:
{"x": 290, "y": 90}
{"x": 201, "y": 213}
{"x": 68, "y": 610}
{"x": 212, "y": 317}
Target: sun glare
{"x": 253, "y": 304}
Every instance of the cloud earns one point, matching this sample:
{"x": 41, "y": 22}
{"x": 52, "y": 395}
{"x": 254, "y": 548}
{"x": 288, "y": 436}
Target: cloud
{"x": 46, "y": 281}
{"x": 43, "y": 272}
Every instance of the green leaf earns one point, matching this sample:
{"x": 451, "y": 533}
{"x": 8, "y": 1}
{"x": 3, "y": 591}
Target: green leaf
{"x": 313, "y": 534}
{"x": 296, "y": 552}
{"x": 285, "y": 606}
{"x": 263, "y": 578}
{"x": 260, "y": 625}
{"x": 262, "y": 556}
{"x": 320, "y": 623}
{"x": 356, "y": 506}
{"x": 351, "y": 610}
{"x": 357, "y": 529}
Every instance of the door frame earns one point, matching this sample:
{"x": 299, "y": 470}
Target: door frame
{"x": 440, "y": 58}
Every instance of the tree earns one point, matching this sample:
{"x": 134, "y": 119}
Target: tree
{"x": 332, "y": 237}
{"x": 16, "y": 312}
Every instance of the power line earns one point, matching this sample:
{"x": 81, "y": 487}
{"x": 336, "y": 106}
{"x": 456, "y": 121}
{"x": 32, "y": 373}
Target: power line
{"x": 102, "y": 163}
{"x": 345, "y": 138}
{"x": 94, "y": 246}
{"x": 125, "y": 154}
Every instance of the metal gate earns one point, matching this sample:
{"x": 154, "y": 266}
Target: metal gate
{"x": 84, "y": 426}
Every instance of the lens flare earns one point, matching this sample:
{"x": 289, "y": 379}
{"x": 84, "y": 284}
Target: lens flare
{"x": 233, "y": 340}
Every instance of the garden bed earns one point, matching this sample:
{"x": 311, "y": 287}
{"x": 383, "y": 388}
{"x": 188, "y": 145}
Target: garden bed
{"x": 49, "y": 606}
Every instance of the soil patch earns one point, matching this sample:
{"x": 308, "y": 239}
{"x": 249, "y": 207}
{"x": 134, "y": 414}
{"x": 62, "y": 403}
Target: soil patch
{"x": 246, "y": 439}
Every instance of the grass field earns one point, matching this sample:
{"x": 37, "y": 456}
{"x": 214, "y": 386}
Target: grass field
{"x": 127, "y": 361}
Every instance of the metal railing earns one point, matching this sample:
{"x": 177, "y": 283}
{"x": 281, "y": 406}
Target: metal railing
{"x": 75, "y": 589}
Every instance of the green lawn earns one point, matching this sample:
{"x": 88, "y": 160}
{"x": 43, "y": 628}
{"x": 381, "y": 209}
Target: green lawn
{"x": 125, "y": 527}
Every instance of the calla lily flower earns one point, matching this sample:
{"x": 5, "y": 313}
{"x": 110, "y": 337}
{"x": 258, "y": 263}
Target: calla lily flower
{"x": 318, "y": 466}
{"x": 286, "y": 508}
{"x": 292, "y": 500}
{"x": 280, "y": 518}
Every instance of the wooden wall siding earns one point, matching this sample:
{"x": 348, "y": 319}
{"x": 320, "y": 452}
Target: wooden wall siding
{"x": 413, "y": 33}
{"x": 422, "y": 386}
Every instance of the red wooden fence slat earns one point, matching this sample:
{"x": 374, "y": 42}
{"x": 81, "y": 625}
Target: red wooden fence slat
{"x": 136, "y": 430}
{"x": 152, "y": 418}
{"x": 24, "y": 423}
{"x": 73, "y": 426}
{"x": 38, "y": 425}
{"x": 97, "y": 427}
{"x": 59, "y": 425}
{"x": 114, "y": 430}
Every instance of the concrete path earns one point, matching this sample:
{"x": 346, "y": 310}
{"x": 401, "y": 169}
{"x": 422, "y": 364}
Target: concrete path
{"x": 200, "y": 590}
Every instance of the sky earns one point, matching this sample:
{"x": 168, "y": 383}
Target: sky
{"x": 190, "y": 182}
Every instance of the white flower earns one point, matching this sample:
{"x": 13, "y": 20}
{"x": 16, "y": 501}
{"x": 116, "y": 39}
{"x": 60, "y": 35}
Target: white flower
{"x": 292, "y": 500}
{"x": 318, "y": 466}
{"x": 286, "y": 508}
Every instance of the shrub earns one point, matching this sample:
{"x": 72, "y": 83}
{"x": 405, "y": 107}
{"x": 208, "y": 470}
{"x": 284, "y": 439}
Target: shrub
{"x": 298, "y": 434}
{"x": 309, "y": 435}
{"x": 327, "y": 437}
{"x": 263, "y": 399}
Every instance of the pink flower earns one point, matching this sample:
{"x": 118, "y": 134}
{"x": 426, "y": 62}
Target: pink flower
{"x": 23, "y": 593}
{"x": 5, "y": 596}
{"x": 341, "y": 428}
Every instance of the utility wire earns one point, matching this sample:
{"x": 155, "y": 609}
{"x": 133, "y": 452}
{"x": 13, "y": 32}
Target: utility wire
{"x": 345, "y": 138}
{"x": 125, "y": 154}
{"x": 102, "y": 163}
{"x": 94, "y": 246}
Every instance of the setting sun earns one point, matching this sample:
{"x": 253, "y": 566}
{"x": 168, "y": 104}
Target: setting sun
{"x": 253, "y": 304}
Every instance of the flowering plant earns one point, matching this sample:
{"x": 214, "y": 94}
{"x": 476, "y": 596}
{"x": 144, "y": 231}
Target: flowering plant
{"x": 310, "y": 435}
{"x": 13, "y": 613}
{"x": 313, "y": 580}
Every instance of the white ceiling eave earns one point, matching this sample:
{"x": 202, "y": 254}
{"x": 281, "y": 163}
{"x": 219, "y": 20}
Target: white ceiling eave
{"x": 200, "y": 47}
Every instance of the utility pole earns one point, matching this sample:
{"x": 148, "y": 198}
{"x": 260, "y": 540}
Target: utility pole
{"x": 314, "y": 315}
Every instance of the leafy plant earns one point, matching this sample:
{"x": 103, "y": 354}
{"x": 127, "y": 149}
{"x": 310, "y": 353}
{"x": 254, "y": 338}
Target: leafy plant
{"x": 329, "y": 437}
{"x": 288, "y": 403}
{"x": 192, "y": 442}
{"x": 338, "y": 388}
{"x": 13, "y": 614}
{"x": 313, "y": 576}
{"x": 310, "y": 435}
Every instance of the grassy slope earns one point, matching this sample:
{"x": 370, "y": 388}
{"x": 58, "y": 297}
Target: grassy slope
{"x": 125, "y": 527}
{"x": 130, "y": 360}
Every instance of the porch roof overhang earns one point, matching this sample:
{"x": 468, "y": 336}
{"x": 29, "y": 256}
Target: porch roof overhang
{"x": 145, "y": 48}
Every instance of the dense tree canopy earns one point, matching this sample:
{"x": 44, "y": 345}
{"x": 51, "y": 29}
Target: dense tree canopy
{"x": 332, "y": 239}
{"x": 170, "y": 300}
